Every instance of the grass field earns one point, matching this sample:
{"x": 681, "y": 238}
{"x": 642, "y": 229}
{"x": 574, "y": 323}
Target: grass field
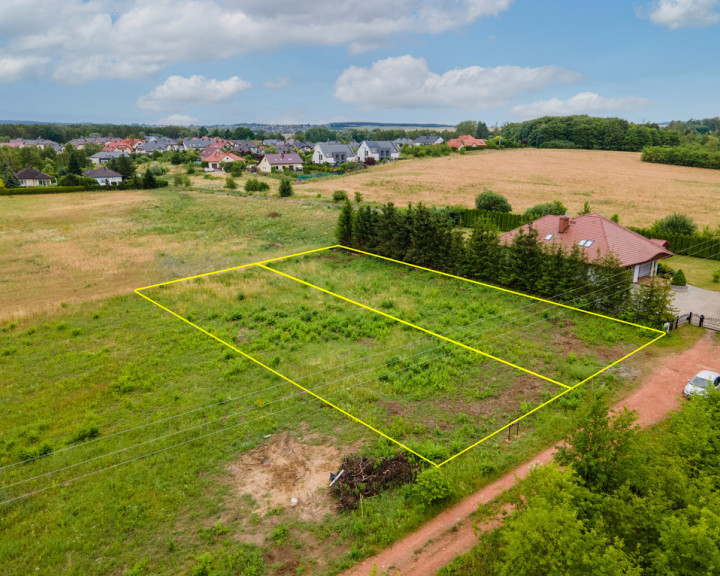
{"x": 698, "y": 271}
{"x": 98, "y": 372}
{"x": 612, "y": 182}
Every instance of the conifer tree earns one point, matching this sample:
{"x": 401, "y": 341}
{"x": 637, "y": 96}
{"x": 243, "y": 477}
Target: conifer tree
{"x": 74, "y": 166}
{"x": 522, "y": 263}
{"x": 483, "y": 251}
{"x": 551, "y": 270}
{"x": 611, "y": 285}
{"x": 344, "y": 230}
{"x": 148, "y": 181}
{"x": 11, "y": 181}
{"x": 364, "y": 229}
{"x": 457, "y": 259}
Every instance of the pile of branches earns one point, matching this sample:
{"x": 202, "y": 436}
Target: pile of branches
{"x": 365, "y": 477}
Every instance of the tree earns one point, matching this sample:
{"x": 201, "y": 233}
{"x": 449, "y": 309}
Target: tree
{"x": 11, "y": 181}
{"x": 74, "y": 166}
{"x": 320, "y": 134}
{"x": 468, "y": 127}
{"x": 483, "y": 251}
{"x": 489, "y": 200}
{"x": 230, "y": 183}
{"x": 344, "y": 229}
{"x": 539, "y": 210}
{"x": 364, "y": 231}
{"x": 653, "y": 303}
{"x": 602, "y": 452}
{"x": 482, "y": 131}
{"x": 522, "y": 263}
{"x": 679, "y": 279}
{"x": 285, "y": 189}
{"x": 148, "y": 182}
{"x": 675, "y": 223}
{"x": 585, "y": 209}
{"x": 124, "y": 166}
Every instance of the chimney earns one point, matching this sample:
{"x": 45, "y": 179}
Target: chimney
{"x": 563, "y": 224}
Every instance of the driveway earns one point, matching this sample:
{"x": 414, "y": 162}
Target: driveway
{"x": 697, "y": 301}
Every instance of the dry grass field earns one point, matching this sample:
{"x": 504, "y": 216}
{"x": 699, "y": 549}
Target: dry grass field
{"x": 612, "y": 182}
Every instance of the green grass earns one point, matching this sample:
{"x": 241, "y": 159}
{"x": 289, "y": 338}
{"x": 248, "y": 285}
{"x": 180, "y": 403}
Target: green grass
{"x": 698, "y": 271}
{"x": 74, "y": 377}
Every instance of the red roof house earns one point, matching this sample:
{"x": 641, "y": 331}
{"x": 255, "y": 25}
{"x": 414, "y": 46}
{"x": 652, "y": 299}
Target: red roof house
{"x": 599, "y": 236}
{"x": 125, "y": 145}
{"x": 215, "y": 160}
{"x": 466, "y": 141}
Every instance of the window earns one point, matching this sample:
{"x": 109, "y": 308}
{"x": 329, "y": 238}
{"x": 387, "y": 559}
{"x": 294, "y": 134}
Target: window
{"x": 549, "y": 236}
{"x": 586, "y": 243}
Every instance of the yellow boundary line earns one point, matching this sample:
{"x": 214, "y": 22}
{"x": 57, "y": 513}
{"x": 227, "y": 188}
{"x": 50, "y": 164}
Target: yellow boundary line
{"x": 415, "y": 326}
{"x": 289, "y": 380}
{"x": 137, "y": 291}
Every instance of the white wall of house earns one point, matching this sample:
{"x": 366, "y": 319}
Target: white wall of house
{"x": 108, "y": 181}
{"x": 34, "y": 182}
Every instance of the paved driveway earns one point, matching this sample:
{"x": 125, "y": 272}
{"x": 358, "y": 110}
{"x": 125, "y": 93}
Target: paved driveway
{"x": 697, "y": 301}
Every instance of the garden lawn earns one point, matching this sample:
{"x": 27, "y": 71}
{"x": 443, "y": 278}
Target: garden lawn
{"x": 698, "y": 271}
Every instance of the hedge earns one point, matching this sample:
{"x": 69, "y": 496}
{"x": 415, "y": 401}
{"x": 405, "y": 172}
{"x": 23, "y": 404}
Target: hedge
{"x": 697, "y": 246}
{"x": 68, "y": 189}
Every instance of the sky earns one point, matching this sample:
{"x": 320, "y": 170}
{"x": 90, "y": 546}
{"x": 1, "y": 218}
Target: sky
{"x": 282, "y": 61}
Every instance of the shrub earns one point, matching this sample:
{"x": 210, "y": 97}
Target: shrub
{"x": 492, "y": 202}
{"x": 190, "y": 168}
{"x": 254, "y": 185}
{"x": 230, "y": 183}
{"x": 339, "y": 195}
{"x": 370, "y": 161}
{"x": 431, "y": 485}
{"x": 716, "y": 276}
{"x": 675, "y": 223}
{"x": 285, "y": 189}
{"x": 236, "y": 168}
{"x": 539, "y": 210}
{"x": 358, "y": 197}
{"x": 679, "y": 279}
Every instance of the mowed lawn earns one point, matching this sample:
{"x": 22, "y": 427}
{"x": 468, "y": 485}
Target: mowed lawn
{"x": 612, "y": 182}
{"x": 698, "y": 271}
{"x": 181, "y": 453}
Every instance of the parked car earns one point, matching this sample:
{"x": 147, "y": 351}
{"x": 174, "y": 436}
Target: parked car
{"x": 701, "y": 383}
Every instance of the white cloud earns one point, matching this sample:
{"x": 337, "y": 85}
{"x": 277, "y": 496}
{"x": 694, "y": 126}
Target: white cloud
{"x": 15, "y": 68}
{"x": 583, "y": 103}
{"x": 93, "y": 39}
{"x": 683, "y": 13}
{"x": 282, "y": 82}
{"x": 178, "y": 93}
{"x": 407, "y": 82}
{"x": 176, "y": 120}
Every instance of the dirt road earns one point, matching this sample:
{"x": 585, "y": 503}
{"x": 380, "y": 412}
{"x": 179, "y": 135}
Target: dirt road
{"x": 451, "y": 533}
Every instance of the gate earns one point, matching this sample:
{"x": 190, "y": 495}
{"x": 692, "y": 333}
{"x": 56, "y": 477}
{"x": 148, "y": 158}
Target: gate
{"x": 709, "y": 322}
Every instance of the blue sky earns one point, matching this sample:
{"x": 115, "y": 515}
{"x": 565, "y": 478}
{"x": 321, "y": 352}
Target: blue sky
{"x": 232, "y": 61}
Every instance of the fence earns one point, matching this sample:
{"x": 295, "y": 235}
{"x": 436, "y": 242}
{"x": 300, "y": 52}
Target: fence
{"x": 701, "y": 320}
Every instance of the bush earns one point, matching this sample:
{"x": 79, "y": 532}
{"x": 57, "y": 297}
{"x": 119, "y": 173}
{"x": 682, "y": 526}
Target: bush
{"x": 254, "y": 185}
{"x": 190, "y": 168}
{"x": 675, "y": 223}
{"x": 432, "y": 485}
{"x": 230, "y": 183}
{"x": 716, "y": 276}
{"x": 539, "y": 210}
{"x": 285, "y": 189}
{"x": 339, "y": 195}
{"x": 236, "y": 168}
{"x": 678, "y": 279}
{"x": 492, "y": 202}
{"x": 358, "y": 197}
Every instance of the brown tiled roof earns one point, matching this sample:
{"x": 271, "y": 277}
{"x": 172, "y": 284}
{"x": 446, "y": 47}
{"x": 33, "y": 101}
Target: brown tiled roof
{"x": 32, "y": 174}
{"x": 220, "y": 157}
{"x": 606, "y": 236}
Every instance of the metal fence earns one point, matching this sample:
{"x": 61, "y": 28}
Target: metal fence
{"x": 701, "y": 320}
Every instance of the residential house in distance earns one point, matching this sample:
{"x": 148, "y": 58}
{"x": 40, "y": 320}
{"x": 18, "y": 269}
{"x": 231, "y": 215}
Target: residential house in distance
{"x": 332, "y": 154}
{"x": 400, "y": 142}
{"x": 272, "y": 142}
{"x": 105, "y": 157}
{"x": 599, "y": 236}
{"x": 128, "y": 145}
{"x": 37, "y": 143}
{"x": 156, "y": 143}
{"x": 292, "y": 161}
{"x": 466, "y": 141}
{"x": 216, "y": 160}
{"x": 430, "y": 140}
{"x": 244, "y": 147}
{"x": 103, "y": 175}
{"x": 196, "y": 143}
{"x": 81, "y": 143}
{"x": 31, "y": 178}
{"x": 379, "y": 150}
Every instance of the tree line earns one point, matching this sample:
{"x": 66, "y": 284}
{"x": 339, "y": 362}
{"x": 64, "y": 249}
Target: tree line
{"x": 421, "y": 236}
{"x": 628, "y": 503}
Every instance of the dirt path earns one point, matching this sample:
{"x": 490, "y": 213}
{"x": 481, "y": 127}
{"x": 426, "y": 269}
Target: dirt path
{"x": 451, "y": 533}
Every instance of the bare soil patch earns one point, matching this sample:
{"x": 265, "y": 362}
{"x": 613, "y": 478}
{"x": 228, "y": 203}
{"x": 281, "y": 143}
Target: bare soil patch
{"x": 612, "y": 182}
{"x": 283, "y": 468}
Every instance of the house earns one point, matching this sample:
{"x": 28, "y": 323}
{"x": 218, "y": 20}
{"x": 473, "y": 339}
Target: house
{"x": 430, "y": 140}
{"x": 332, "y": 154}
{"x": 284, "y": 148}
{"x": 244, "y": 147}
{"x": 400, "y": 142}
{"x": 213, "y": 148}
{"x": 466, "y": 141}
{"x": 156, "y": 143}
{"x": 31, "y": 178}
{"x": 599, "y": 236}
{"x": 272, "y": 142}
{"x": 103, "y": 175}
{"x": 105, "y": 157}
{"x": 196, "y": 143}
{"x": 379, "y": 150}
{"x": 37, "y": 143}
{"x": 290, "y": 161}
{"x": 215, "y": 161}
{"x": 128, "y": 145}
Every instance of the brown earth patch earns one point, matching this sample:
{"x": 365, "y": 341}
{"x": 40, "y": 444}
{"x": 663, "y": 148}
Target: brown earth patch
{"x": 283, "y": 468}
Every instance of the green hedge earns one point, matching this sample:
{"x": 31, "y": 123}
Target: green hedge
{"x": 697, "y": 246}
{"x": 695, "y": 156}
{"x": 67, "y": 189}
{"x": 503, "y": 220}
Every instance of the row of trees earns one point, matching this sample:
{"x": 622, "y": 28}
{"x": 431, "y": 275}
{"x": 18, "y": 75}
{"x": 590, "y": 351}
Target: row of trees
{"x": 691, "y": 155}
{"x": 628, "y": 503}
{"x": 589, "y": 133}
{"x": 420, "y": 236}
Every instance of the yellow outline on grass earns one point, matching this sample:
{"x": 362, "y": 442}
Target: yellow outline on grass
{"x": 261, "y": 265}
{"x": 415, "y": 326}
{"x": 137, "y": 291}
